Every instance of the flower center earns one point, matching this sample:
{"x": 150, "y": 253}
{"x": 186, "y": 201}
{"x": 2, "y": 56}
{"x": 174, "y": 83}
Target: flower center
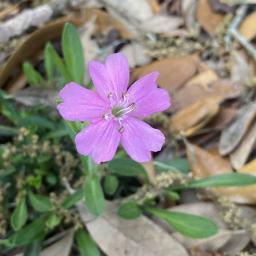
{"x": 119, "y": 111}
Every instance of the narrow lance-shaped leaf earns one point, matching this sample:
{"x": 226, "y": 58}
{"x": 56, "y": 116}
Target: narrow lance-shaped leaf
{"x": 224, "y": 180}
{"x": 49, "y": 62}
{"x": 193, "y": 226}
{"x": 40, "y": 203}
{"x": 20, "y": 215}
{"x": 33, "y": 77}
{"x": 94, "y": 197}
{"x": 59, "y": 64}
{"x": 86, "y": 245}
{"x": 73, "y": 53}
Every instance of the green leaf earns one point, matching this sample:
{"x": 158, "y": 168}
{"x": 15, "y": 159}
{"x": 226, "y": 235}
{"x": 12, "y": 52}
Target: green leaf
{"x": 73, "y": 53}
{"x": 126, "y": 167}
{"x": 53, "y": 221}
{"x": 32, "y": 76}
{"x": 37, "y": 121}
{"x": 89, "y": 167}
{"x": 224, "y": 180}
{"x": 110, "y": 184}
{"x": 40, "y": 203}
{"x": 179, "y": 164}
{"x": 94, "y": 197}
{"x": 20, "y": 215}
{"x": 72, "y": 199}
{"x": 49, "y": 62}
{"x": 7, "y": 131}
{"x": 29, "y": 233}
{"x": 193, "y": 226}
{"x": 33, "y": 249}
{"x": 86, "y": 245}
{"x": 60, "y": 66}
{"x": 129, "y": 210}
{"x": 172, "y": 195}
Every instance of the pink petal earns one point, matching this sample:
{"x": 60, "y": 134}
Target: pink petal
{"x": 99, "y": 140}
{"x": 139, "y": 138}
{"x": 118, "y": 71}
{"x": 80, "y": 104}
{"x": 147, "y": 97}
{"x": 111, "y": 78}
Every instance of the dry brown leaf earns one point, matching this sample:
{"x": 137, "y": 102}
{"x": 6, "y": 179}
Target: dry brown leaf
{"x": 232, "y": 135}
{"x": 9, "y": 10}
{"x": 161, "y": 24}
{"x": 242, "y": 152}
{"x": 208, "y": 19}
{"x": 155, "y": 6}
{"x": 223, "y": 118}
{"x": 62, "y": 247}
{"x": 201, "y": 87}
{"x": 119, "y": 237}
{"x": 136, "y": 54}
{"x": 174, "y": 72}
{"x": 248, "y": 27}
{"x": 206, "y": 163}
{"x": 132, "y": 10}
{"x": 104, "y": 22}
{"x": 32, "y": 45}
{"x": 190, "y": 120}
{"x": 249, "y": 168}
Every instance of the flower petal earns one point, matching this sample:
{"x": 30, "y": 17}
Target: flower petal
{"x": 99, "y": 140}
{"x": 111, "y": 78}
{"x": 147, "y": 97}
{"x": 139, "y": 138}
{"x": 118, "y": 71}
{"x": 81, "y": 104}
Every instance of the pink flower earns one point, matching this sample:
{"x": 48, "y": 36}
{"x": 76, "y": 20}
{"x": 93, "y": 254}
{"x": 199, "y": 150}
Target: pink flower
{"x": 115, "y": 111}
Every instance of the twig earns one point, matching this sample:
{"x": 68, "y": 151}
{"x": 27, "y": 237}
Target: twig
{"x": 244, "y": 42}
{"x": 240, "y": 13}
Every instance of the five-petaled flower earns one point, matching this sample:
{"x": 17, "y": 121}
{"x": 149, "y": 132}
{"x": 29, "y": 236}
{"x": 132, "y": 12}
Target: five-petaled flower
{"x": 115, "y": 111}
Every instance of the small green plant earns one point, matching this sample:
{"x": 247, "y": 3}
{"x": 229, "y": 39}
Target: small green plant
{"x": 38, "y": 158}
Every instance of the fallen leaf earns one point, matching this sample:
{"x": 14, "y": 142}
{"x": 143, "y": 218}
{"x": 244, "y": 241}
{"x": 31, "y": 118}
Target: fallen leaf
{"x": 155, "y": 6}
{"x": 206, "y": 163}
{"x": 241, "y": 70}
{"x": 62, "y": 247}
{"x": 207, "y": 18}
{"x": 233, "y": 134}
{"x": 162, "y": 24}
{"x": 247, "y": 27}
{"x": 174, "y": 72}
{"x": 203, "y": 85}
{"x": 223, "y": 118}
{"x": 188, "y": 9}
{"x": 242, "y": 152}
{"x": 133, "y": 10}
{"x": 119, "y": 237}
{"x": 32, "y": 45}
{"x": 104, "y": 22}
{"x": 249, "y": 168}
{"x": 190, "y": 120}
{"x": 240, "y": 239}
{"x": 8, "y": 10}
{"x": 136, "y": 54}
